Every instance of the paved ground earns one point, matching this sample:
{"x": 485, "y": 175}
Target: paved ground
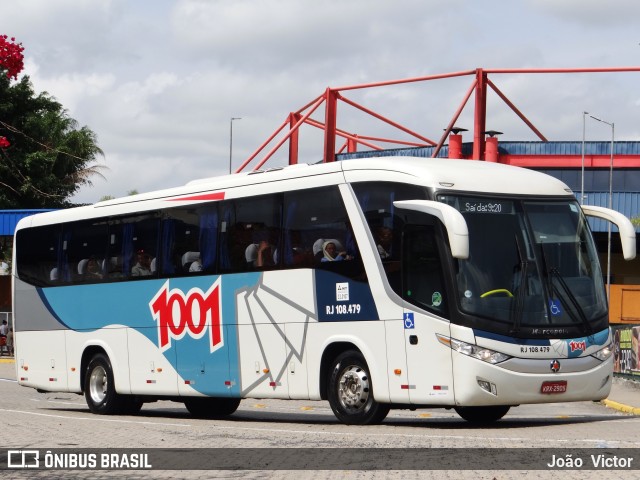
{"x": 624, "y": 396}
{"x": 63, "y": 420}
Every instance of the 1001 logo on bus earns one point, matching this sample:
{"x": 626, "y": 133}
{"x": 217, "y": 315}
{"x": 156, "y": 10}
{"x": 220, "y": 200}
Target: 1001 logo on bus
{"x": 196, "y": 312}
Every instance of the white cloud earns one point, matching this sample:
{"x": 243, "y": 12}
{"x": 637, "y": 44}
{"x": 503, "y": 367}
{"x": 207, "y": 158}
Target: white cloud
{"x": 158, "y": 81}
{"x": 591, "y": 13}
{"x": 70, "y": 89}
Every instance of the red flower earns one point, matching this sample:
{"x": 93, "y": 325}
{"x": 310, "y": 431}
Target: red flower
{"x": 4, "y": 143}
{"x": 11, "y": 57}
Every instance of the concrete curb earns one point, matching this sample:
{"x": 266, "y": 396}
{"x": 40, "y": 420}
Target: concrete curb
{"x": 621, "y": 407}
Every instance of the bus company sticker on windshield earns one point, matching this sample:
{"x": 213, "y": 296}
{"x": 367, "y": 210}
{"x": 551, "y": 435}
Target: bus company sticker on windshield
{"x": 192, "y": 313}
{"x": 436, "y": 299}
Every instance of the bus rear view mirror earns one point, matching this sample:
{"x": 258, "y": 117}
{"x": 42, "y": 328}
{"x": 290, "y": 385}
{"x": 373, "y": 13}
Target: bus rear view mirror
{"x": 626, "y": 228}
{"x": 452, "y": 219}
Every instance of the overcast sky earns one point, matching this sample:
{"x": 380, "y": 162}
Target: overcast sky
{"x": 159, "y": 80}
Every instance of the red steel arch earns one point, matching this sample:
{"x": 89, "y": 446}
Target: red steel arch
{"x": 331, "y": 97}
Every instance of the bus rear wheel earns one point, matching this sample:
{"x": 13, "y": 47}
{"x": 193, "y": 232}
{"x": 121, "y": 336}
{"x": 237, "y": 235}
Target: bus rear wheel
{"x": 99, "y": 387}
{"x": 211, "y": 407}
{"x": 351, "y": 392}
{"x": 483, "y": 415}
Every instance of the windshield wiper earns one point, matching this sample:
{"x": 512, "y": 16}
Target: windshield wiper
{"x": 552, "y": 273}
{"x": 572, "y": 298}
{"x": 516, "y": 312}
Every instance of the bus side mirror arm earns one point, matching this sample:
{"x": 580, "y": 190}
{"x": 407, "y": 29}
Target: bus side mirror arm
{"x": 453, "y": 221}
{"x": 626, "y": 228}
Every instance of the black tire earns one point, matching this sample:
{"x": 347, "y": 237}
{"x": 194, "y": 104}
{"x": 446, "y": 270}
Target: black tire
{"x": 483, "y": 415}
{"x": 131, "y": 405}
{"x": 350, "y": 391}
{"x": 99, "y": 387}
{"x": 207, "y": 407}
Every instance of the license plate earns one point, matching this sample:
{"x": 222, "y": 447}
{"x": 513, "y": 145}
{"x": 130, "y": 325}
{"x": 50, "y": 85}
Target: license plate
{"x": 554, "y": 387}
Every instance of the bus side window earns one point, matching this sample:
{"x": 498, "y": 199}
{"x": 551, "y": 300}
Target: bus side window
{"x": 178, "y": 241}
{"x": 251, "y": 225}
{"x": 422, "y": 278}
{"x": 314, "y": 218}
{"x": 83, "y": 241}
{"x": 385, "y": 224}
{"x": 39, "y": 256}
{"x": 133, "y": 244}
{"x": 207, "y": 240}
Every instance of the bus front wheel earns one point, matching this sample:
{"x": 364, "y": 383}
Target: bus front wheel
{"x": 99, "y": 387}
{"x": 351, "y": 392}
{"x": 211, "y": 407}
{"x": 482, "y": 415}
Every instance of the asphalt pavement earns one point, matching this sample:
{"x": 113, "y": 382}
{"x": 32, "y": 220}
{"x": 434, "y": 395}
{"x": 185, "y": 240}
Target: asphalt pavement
{"x": 624, "y": 396}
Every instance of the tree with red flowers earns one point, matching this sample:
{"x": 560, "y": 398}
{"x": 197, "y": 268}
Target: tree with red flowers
{"x": 11, "y": 60}
{"x": 11, "y": 57}
{"x": 44, "y": 155}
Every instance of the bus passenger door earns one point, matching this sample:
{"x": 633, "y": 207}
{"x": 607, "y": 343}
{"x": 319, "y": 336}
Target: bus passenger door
{"x": 397, "y": 360}
{"x": 428, "y": 361}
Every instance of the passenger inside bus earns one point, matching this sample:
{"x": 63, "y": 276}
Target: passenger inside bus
{"x": 331, "y": 253}
{"x": 142, "y": 268}
{"x": 89, "y": 269}
{"x": 260, "y": 254}
{"x": 384, "y": 242}
{"x": 93, "y": 270}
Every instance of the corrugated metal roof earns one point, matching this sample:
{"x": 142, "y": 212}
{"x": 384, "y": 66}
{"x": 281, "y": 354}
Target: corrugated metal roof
{"x": 10, "y": 218}
{"x": 569, "y": 148}
{"x": 627, "y": 203}
{"x": 512, "y": 148}
{"x": 422, "y": 152}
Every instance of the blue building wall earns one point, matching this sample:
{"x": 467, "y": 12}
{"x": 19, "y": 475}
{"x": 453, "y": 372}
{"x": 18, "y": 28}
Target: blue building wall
{"x": 10, "y": 218}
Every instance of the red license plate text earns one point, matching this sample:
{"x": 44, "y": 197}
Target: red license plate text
{"x": 554, "y": 387}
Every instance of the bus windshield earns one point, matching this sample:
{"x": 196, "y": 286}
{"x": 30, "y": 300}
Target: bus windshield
{"x": 532, "y": 266}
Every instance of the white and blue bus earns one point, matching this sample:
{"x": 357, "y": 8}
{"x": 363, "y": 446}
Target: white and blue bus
{"x": 373, "y": 284}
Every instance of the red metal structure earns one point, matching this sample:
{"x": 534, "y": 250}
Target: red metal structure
{"x": 483, "y": 148}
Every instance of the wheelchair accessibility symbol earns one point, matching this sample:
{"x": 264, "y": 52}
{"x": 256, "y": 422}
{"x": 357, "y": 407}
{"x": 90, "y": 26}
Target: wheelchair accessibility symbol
{"x": 408, "y": 321}
{"x": 554, "y": 307}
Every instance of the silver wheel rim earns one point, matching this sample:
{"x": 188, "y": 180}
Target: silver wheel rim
{"x": 98, "y": 385}
{"x": 353, "y": 388}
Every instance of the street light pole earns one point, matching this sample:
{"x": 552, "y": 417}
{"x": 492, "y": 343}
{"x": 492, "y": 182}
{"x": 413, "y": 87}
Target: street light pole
{"x": 231, "y": 139}
{"x": 584, "y": 128}
{"x": 613, "y": 127}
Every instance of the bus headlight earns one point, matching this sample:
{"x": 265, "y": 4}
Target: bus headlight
{"x": 481, "y": 353}
{"x": 604, "y": 353}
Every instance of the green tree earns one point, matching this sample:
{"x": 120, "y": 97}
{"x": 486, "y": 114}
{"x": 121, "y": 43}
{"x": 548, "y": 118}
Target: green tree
{"x": 48, "y": 157}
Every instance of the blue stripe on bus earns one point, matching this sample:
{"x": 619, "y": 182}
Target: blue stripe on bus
{"x": 574, "y": 346}
{"x": 50, "y": 309}
{"x": 91, "y": 307}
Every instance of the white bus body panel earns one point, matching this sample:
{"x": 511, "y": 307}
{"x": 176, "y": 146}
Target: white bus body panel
{"x": 430, "y": 373}
{"x": 41, "y": 360}
{"x": 515, "y": 388}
